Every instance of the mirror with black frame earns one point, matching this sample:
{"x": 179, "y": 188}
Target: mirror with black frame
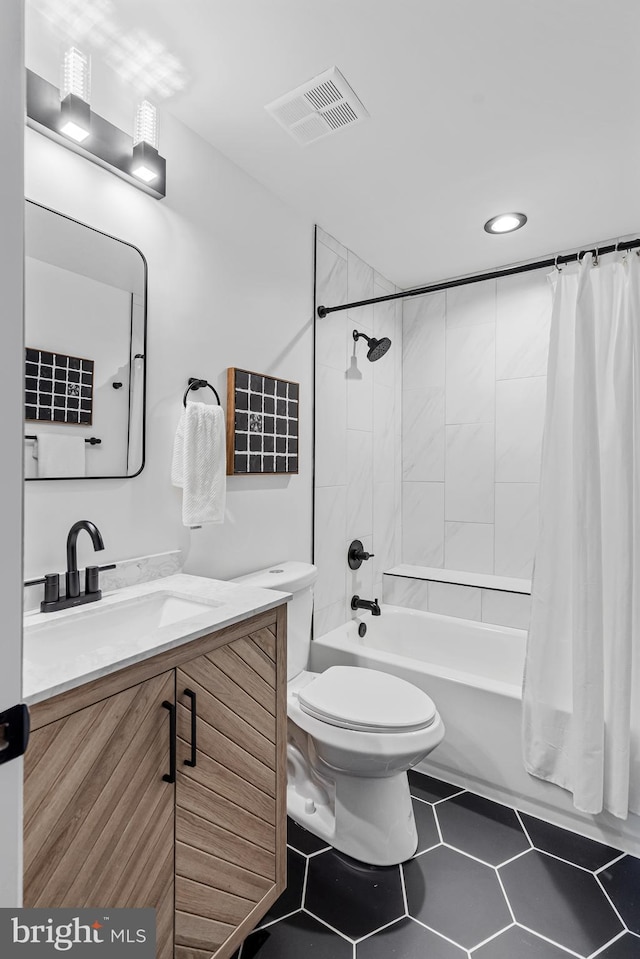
{"x": 85, "y": 342}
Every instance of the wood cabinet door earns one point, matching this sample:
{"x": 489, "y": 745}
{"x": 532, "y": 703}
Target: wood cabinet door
{"x": 98, "y": 816}
{"x": 230, "y": 806}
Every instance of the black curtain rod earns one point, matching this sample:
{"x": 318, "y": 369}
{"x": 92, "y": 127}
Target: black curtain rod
{"x": 478, "y": 277}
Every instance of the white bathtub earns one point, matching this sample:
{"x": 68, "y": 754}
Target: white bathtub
{"x": 473, "y": 672}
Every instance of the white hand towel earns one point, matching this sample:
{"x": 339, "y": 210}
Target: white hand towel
{"x": 60, "y": 455}
{"x": 199, "y": 464}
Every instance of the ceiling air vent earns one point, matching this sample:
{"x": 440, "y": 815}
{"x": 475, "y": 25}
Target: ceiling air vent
{"x": 318, "y": 108}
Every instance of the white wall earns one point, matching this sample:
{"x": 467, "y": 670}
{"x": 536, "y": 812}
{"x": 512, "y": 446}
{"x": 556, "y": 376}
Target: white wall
{"x": 357, "y": 478}
{"x": 230, "y": 284}
{"x": 474, "y": 390}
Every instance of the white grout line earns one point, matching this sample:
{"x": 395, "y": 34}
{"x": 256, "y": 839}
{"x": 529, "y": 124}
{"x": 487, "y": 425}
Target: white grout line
{"x": 513, "y": 858}
{"x": 322, "y": 922}
{"x": 387, "y": 925}
{"x": 440, "y": 934}
{"x": 506, "y": 898}
{"x": 272, "y": 922}
{"x": 610, "y": 901}
{"x": 304, "y": 883}
{"x": 607, "y": 944}
{"x": 417, "y": 855}
{"x": 404, "y": 891}
{"x": 609, "y": 864}
{"x": 567, "y": 862}
{"x": 437, "y": 802}
{"x": 494, "y": 936}
{"x": 435, "y": 816}
{"x": 551, "y": 942}
{"x": 523, "y": 827}
{"x": 488, "y": 865}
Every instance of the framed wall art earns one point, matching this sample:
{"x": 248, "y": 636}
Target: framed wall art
{"x": 262, "y": 423}
{"x": 58, "y": 388}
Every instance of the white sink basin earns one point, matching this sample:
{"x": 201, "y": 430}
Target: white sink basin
{"x": 115, "y": 624}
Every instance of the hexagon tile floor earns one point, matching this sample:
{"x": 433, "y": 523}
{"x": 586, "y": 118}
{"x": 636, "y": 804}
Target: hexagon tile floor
{"x": 487, "y": 882}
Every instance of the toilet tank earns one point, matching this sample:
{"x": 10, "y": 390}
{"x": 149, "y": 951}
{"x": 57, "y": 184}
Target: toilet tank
{"x": 298, "y": 579}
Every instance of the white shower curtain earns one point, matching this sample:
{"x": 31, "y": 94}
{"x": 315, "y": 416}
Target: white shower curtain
{"x": 581, "y": 721}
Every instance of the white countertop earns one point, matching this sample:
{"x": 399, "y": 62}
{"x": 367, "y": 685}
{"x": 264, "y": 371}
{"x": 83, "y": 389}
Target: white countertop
{"x": 71, "y": 664}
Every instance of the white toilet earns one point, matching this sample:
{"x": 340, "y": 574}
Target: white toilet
{"x": 352, "y": 734}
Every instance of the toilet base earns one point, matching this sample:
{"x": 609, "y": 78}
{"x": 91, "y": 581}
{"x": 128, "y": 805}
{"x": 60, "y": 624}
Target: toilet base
{"x": 368, "y": 819}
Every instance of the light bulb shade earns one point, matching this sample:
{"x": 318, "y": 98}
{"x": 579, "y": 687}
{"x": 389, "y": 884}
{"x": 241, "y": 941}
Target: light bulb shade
{"x": 76, "y": 75}
{"x": 505, "y": 223}
{"x": 146, "y": 125}
{"x": 75, "y": 118}
{"x": 146, "y": 163}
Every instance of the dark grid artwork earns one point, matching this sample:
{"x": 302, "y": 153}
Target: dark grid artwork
{"x": 262, "y": 423}
{"x": 58, "y": 388}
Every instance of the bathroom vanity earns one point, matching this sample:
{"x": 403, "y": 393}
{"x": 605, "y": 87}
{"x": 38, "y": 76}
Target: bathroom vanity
{"x": 156, "y": 772}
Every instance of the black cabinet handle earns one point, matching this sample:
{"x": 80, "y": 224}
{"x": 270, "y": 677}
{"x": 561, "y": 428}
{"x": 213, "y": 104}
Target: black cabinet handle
{"x": 170, "y": 777}
{"x": 192, "y": 696}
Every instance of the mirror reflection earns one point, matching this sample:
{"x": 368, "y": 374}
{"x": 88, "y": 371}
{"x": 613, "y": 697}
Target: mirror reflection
{"x": 85, "y": 332}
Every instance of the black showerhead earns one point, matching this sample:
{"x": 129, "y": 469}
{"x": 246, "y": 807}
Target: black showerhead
{"x": 377, "y": 348}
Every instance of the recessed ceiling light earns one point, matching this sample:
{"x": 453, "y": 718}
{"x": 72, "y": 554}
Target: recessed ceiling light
{"x": 505, "y": 223}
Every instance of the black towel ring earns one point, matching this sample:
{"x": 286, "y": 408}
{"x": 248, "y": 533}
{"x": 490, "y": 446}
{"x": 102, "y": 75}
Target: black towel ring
{"x": 196, "y": 384}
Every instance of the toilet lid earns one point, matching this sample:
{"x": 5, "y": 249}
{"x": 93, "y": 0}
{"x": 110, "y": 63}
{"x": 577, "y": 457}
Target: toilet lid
{"x": 366, "y": 699}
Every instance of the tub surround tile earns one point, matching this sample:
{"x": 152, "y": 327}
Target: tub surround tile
{"x": 523, "y": 318}
{"x": 374, "y": 894}
{"x": 506, "y": 609}
{"x": 469, "y": 546}
{"x": 426, "y": 825}
{"x": 331, "y": 290}
{"x": 333, "y": 244}
{"x": 360, "y": 287}
{"x": 382, "y": 281}
{"x": 384, "y": 529}
{"x": 423, "y": 342}
{"x": 429, "y": 789}
{"x": 359, "y": 378}
{"x": 462, "y": 602}
{"x": 407, "y": 939}
{"x": 330, "y": 525}
{"x": 329, "y": 617}
{"x": 520, "y": 406}
{"x": 470, "y": 375}
{"x": 462, "y": 577}
{"x": 331, "y": 427}
{"x": 423, "y": 434}
{"x": 359, "y": 484}
{"x": 302, "y": 840}
{"x": 461, "y": 880}
{"x": 516, "y": 528}
{"x": 469, "y": 469}
{"x": 622, "y": 883}
{"x": 560, "y": 902}
{"x": 567, "y": 845}
{"x": 359, "y": 582}
{"x": 384, "y": 414}
{"x": 384, "y": 324}
{"x": 518, "y": 943}
{"x": 482, "y": 828}
{"x": 471, "y": 305}
{"x": 423, "y": 522}
{"x": 296, "y": 936}
{"x": 410, "y": 593}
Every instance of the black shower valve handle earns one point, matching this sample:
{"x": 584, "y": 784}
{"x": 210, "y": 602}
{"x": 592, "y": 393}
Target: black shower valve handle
{"x": 357, "y": 554}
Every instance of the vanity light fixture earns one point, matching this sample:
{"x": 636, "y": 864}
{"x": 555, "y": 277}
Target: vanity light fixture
{"x": 505, "y": 223}
{"x": 75, "y": 94}
{"x": 145, "y": 163}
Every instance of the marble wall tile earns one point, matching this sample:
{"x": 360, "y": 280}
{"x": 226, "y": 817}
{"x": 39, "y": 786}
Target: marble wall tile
{"x": 382, "y": 281}
{"x": 469, "y": 472}
{"x": 359, "y": 389}
{"x": 360, "y": 287}
{"x": 423, "y": 341}
{"x": 359, "y": 484}
{"x": 331, "y": 427}
{"x": 506, "y": 609}
{"x": 523, "y": 318}
{"x": 384, "y": 413}
{"x": 327, "y": 618}
{"x": 331, "y": 290}
{"x": 448, "y": 599}
{"x": 423, "y": 434}
{"x": 384, "y": 529}
{"x": 402, "y": 591}
{"x": 520, "y": 406}
{"x": 516, "y": 528}
{"x": 471, "y": 305}
{"x": 469, "y": 546}
{"x": 384, "y": 325}
{"x": 470, "y": 374}
{"x": 423, "y": 523}
{"x": 330, "y": 544}
{"x": 332, "y": 243}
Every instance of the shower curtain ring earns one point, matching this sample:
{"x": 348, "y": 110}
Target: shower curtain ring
{"x": 596, "y": 258}
{"x": 555, "y": 264}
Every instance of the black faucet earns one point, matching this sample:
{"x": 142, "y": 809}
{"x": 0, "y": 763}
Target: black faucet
{"x": 371, "y": 604}
{"x": 52, "y": 599}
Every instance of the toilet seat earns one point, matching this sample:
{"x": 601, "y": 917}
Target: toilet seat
{"x": 366, "y": 700}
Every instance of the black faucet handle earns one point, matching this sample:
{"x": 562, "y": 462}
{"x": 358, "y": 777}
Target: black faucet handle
{"x": 51, "y": 588}
{"x": 92, "y": 579}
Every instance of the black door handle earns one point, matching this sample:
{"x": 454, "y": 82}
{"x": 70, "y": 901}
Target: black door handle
{"x": 170, "y": 777}
{"x": 192, "y": 696}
